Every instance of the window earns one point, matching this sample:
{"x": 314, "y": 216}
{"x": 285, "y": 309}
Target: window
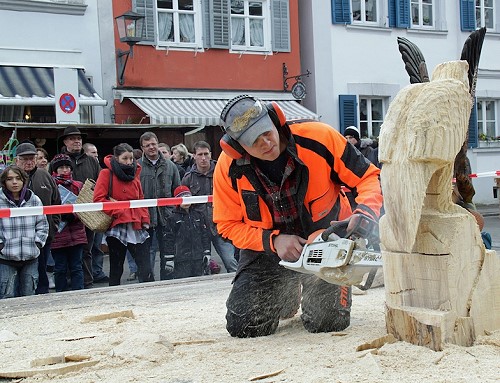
{"x": 371, "y": 116}
{"x": 178, "y": 23}
{"x": 364, "y": 11}
{"x": 249, "y": 25}
{"x": 260, "y": 26}
{"x": 486, "y": 122}
{"x": 484, "y": 14}
{"x": 422, "y": 14}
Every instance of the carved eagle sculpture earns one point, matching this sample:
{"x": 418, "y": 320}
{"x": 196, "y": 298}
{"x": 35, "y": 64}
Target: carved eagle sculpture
{"x": 424, "y": 128}
{"x": 417, "y": 70}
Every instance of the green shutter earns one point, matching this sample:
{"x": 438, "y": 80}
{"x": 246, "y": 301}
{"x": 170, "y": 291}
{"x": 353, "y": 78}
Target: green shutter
{"x": 146, "y": 8}
{"x": 348, "y": 111}
{"x": 219, "y": 26}
{"x": 280, "y": 17}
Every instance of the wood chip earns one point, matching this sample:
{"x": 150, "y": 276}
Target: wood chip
{"x": 260, "y": 377}
{"x": 377, "y": 343}
{"x": 339, "y": 333}
{"x": 194, "y": 341}
{"x": 71, "y": 339}
{"x": 57, "y": 369}
{"x": 102, "y": 317}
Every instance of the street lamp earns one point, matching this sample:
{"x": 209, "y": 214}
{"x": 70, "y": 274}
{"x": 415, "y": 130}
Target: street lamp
{"x": 130, "y": 29}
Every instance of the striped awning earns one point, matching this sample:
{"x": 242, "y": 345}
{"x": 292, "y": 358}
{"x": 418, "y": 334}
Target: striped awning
{"x": 25, "y": 85}
{"x": 203, "y": 112}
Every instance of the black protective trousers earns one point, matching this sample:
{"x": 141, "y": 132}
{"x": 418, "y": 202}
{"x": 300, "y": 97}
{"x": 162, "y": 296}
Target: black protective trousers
{"x": 263, "y": 292}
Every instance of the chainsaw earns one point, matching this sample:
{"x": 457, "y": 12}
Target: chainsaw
{"x": 341, "y": 257}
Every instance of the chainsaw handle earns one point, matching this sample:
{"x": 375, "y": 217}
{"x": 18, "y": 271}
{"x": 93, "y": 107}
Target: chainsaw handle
{"x": 338, "y": 227}
{"x": 363, "y": 228}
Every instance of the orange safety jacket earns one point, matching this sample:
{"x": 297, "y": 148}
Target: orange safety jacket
{"x": 325, "y": 161}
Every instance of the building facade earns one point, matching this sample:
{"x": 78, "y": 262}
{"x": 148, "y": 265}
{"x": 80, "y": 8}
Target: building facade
{"x": 51, "y": 67}
{"x": 351, "y": 48}
{"x": 198, "y": 54}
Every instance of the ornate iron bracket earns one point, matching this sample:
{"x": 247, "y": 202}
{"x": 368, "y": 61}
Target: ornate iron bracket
{"x": 297, "y": 77}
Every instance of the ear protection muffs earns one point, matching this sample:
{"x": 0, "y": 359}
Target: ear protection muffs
{"x": 276, "y": 114}
{"x": 232, "y": 147}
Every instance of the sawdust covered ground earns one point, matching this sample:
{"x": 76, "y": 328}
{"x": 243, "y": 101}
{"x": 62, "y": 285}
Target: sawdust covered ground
{"x": 177, "y": 334}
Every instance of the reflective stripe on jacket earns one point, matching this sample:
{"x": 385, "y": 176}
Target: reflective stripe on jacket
{"x": 324, "y": 161}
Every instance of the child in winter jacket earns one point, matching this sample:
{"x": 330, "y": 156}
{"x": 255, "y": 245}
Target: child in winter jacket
{"x": 192, "y": 244}
{"x": 67, "y": 246}
{"x": 21, "y": 238}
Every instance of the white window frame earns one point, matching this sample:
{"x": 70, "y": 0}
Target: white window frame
{"x": 481, "y": 8}
{"x": 197, "y": 12}
{"x": 362, "y": 20}
{"x": 367, "y": 131}
{"x": 266, "y": 23}
{"x": 483, "y": 121}
{"x": 421, "y": 4}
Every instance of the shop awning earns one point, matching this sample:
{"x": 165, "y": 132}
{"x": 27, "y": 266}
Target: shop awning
{"x": 199, "y": 110}
{"x": 25, "y": 85}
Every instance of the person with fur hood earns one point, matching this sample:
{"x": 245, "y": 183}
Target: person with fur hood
{"x": 120, "y": 181}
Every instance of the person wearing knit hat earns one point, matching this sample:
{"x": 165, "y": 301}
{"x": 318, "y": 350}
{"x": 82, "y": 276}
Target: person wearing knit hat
{"x": 351, "y": 132}
{"x": 60, "y": 160}
{"x": 182, "y": 191}
{"x": 190, "y": 239}
{"x": 69, "y": 241}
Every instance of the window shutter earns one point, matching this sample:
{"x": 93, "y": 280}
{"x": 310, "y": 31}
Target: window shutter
{"x": 341, "y": 11}
{"x": 348, "y": 108}
{"x": 392, "y": 13}
{"x": 206, "y": 23}
{"x": 219, "y": 17}
{"x": 402, "y": 13}
{"x": 281, "y": 25}
{"x": 473, "y": 133}
{"x": 467, "y": 15}
{"x": 146, "y": 8}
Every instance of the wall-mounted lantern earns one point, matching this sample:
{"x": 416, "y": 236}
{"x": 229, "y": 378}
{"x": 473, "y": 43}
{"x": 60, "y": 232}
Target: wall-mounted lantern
{"x": 130, "y": 30}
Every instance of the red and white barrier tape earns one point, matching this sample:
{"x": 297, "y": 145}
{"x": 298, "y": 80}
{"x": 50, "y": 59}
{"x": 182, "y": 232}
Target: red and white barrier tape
{"x": 101, "y": 206}
{"x": 485, "y": 174}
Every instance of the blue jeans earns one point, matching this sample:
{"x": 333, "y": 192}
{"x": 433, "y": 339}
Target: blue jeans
{"x": 18, "y": 281}
{"x": 68, "y": 258}
{"x": 152, "y": 252}
{"x": 225, "y": 250}
{"x": 132, "y": 266}
{"x": 163, "y": 235}
{"x": 97, "y": 257}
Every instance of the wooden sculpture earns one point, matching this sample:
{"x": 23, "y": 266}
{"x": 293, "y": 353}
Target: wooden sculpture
{"x": 441, "y": 283}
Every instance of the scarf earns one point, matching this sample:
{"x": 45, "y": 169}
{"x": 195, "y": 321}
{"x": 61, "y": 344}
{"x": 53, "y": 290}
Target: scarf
{"x": 67, "y": 181}
{"x": 23, "y": 195}
{"x": 123, "y": 172}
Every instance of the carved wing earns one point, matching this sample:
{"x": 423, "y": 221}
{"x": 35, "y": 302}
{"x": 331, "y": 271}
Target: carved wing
{"x": 414, "y": 61}
{"x": 471, "y": 53}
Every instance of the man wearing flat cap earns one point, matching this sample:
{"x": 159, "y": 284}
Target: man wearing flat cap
{"x": 44, "y": 187}
{"x": 275, "y": 184}
{"x": 83, "y": 167}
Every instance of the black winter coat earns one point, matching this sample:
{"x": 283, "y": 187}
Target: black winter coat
{"x": 191, "y": 236}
